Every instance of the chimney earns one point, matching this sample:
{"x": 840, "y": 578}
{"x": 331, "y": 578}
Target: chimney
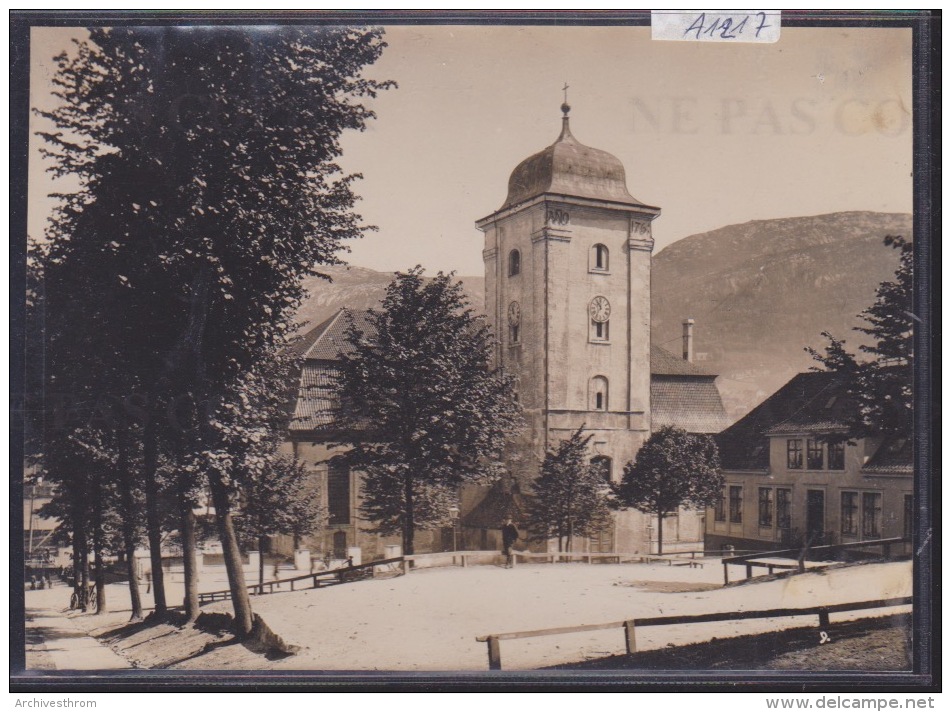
{"x": 688, "y": 340}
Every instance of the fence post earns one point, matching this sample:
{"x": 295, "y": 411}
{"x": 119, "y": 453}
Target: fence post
{"x": 823, "y": 618}
{"x": 629, "y": 637}
{"x": 726, "y": 574}
{"x": 495, "y": 654}
{"x": 405, "y": 567}
{"x": 749, "y": 571}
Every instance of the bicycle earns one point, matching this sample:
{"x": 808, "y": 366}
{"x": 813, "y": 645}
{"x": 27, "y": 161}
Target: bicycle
{"x": 89, "y": 601}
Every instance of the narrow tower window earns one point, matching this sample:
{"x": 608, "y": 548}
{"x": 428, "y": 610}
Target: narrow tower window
{"x": 599, "y": 258}
{"x": 598, "y": 393}
{"x": 515, "y": 263}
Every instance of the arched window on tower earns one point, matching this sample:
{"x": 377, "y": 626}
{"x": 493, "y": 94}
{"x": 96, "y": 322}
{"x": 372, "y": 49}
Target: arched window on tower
{"x": 598, "y": 393}
{"x": 515, "y": 263}
{"x": 599, "y": 258}
{"x": 601, "y": 464}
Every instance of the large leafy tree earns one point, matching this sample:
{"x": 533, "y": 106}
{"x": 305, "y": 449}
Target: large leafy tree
{"x": 673, "y": 469}
{"x": 209, "y": 189}
{"x": 421, "y": 407}
{"x": 570, "y": 496}
{"x": 878, "y": 379}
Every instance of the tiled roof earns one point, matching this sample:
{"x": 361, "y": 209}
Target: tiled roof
{"x": 664, "y": 363}
{"x": 691, "y": 403}
{"x": 809, "y": 402}
{"x": 317, "y": 399}
{"x": 326, "y": 341}
{"x": 892, "y": 457}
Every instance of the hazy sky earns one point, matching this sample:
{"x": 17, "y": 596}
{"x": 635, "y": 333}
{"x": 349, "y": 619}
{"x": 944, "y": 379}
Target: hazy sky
{"x": 713, "y": 134}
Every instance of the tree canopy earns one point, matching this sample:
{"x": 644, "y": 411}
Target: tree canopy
{"x": 878, "y": 379}
{"x": 673, "y": 469}
{"x": 422, "y": 407}
{"x": 570, "y": 496}
{"x": 209, "y": 189}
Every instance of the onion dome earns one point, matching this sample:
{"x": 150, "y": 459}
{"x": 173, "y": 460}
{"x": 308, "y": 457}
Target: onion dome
{"x": 568, "y": 167}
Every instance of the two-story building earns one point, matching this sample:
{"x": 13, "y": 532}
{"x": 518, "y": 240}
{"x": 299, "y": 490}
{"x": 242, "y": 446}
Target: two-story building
{"x": 792, "y": 476}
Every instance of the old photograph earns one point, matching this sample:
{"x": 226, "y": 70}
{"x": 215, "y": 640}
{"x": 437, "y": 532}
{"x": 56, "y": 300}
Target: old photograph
{"x": 467, "y": 347}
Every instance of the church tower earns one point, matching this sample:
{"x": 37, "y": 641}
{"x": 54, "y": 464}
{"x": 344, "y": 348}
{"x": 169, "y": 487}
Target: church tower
{"x": 567, "y": 280}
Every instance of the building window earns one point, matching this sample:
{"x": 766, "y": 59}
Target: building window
{"x": 599, "y": 258}
{"x": 513, "y": 333}
{"x": 719, "y": 508}
{"x": 784, "y": 508}
{"x": 765, "y": 506}
{"x": 908, "y": 530}
{"x": 515, "y": 263}
{"x": 836, "y": 456}
{"x": 598, "y": 393}
{"x": 338, "y": 493}
{"x": 794, "y": 454}
{"x": 850, "y": 514}
{"x": 813, "y": 454}
{"x": 601, "y": 464}
{"x": 871, "y": 515}
{"x": 600, "y": 331}
{"x": 736, "y": 504}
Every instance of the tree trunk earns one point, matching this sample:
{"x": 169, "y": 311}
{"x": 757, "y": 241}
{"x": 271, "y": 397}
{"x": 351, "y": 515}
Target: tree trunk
{"x": 128, "y": 525}
{"x": 189, "y": 552}
{"x": 660, "y": 533}
{"x": 152, "y": 518}
{"x": 409, "y": 524}
{"x": 97, "y": 554}
{"x": 261, "y": 564}
{"x": 243, "y": 617}
{"x": 84, "y": 566}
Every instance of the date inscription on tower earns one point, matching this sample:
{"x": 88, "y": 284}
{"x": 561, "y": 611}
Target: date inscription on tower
{"x": 557, "y": 216}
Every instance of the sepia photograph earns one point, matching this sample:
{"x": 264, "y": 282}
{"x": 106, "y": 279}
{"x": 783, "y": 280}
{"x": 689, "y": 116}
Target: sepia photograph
{"x": 436, "y": 348}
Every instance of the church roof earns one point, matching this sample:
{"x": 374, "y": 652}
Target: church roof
{"x": 328, "y": 340}
{"x": 568, "y": 167}
{"x": 687, "y": 402}
{"x": 317, "y": 400}
{"x": 664, "y": 363}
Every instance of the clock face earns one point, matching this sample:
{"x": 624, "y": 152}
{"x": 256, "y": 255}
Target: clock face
{"x": 599, "y": 309}
{"x": 515, "y": 313}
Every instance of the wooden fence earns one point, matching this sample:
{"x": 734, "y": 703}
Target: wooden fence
{"x": 317, "y": 579}
{"x": 629, "y": 626}
{"x": 801, "y": 554}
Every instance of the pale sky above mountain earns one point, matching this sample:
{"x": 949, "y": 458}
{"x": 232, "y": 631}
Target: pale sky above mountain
{"x": 713, "y": 134}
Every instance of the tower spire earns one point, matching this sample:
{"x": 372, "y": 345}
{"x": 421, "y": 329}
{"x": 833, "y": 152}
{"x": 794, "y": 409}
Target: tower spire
{"x": 565, "y": 108}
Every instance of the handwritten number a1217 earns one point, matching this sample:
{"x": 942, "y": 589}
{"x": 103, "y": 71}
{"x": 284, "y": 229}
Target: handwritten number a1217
{"x": 725, "y": 27}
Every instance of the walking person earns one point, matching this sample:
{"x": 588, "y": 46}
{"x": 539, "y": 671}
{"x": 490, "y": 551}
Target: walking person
{"x": 509, "y": 537}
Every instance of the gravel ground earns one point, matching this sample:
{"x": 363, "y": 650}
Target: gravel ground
{"x": 429, "y": 620}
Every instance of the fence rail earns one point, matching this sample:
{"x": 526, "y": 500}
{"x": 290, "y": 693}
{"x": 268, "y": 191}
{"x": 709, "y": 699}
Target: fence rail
{"x": 317, "y": 579}
{"x": 629, "y": 626}
{"x": 801, "y": 554}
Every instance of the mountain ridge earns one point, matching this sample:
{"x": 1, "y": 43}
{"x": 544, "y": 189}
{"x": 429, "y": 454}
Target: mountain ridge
{"x": 759, "y": 291}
